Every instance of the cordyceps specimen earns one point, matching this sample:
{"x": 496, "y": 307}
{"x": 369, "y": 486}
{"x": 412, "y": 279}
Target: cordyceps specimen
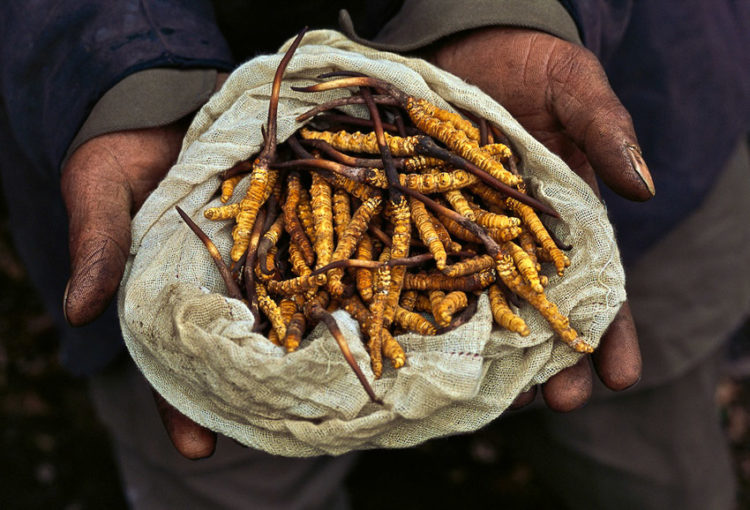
{"x": 402, "y": 227}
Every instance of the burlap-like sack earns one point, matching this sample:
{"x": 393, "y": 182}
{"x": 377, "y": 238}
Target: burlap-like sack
{"x": 196, "y": 347}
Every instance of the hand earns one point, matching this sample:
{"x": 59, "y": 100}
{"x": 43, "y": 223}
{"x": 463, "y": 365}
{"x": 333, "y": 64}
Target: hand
{"x": 103, "y": 184}
{"x": 559, "y": 92}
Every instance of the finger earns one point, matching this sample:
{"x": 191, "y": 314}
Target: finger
{"x": 564, "y": 147}
{"x": 523, "y": 399}
{"x": 570, "y": 388}
{"x": 591, "y": 114}
{"x": 618, "y": 359}
{"x": 98, "y": 201}
{"x": 190, "y": 439}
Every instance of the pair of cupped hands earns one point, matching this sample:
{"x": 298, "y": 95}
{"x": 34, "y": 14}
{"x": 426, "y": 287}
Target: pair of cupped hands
{"x": 557, "y": 90}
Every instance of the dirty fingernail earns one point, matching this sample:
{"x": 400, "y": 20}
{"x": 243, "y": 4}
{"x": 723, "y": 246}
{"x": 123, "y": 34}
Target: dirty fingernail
{"x": 65, "y": 302}
{"x": 640, "y": 167}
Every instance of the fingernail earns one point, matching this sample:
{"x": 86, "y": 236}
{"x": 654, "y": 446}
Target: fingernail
{"x": 65, "y": 302}
{"x": 640, "y": 167}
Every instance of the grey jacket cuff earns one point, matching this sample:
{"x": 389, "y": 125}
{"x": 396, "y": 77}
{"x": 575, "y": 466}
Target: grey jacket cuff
{"x": 149, "y": 98}
{"x": 420, "y": 23}
{"x": 156, "y": 97}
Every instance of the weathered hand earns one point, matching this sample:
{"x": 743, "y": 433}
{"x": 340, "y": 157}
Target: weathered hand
{"x": 559, "y": 92}
{"x": 103, "y": 184}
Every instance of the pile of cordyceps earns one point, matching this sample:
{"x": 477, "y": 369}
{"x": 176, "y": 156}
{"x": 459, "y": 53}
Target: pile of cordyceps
{"x": 402, "y": 227}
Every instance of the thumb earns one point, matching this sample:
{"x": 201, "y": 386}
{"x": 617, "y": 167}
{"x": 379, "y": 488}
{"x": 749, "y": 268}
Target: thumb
{"x": 98, "y": 199}
{"x": 594, "y": 118}
{"x": 104, "y": 182}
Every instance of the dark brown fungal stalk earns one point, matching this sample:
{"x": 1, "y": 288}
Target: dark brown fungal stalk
{"x": 391, "y": 173}
{"x": 357, "y": 174}
{"x": 483, "y": 132}
{"x": 382, "y": 307}
{"x": 428, "y": 147}
{"x": 347, "y": 263}
{"x": 294, "y": 143}
{"x": 344, "y": 101}
{"x": 233, "y": 290}
{"x": 413, "y": 261}
{"x": 335, "y": 118}
{"x": 382, "y": 236}
{"x": 343, "y": 158}
{"x": 400, "y": 126}
{"x": 318, "y": 313}
{"x": 261, "y": 177}
{"x": 413, "y": 164}
{"x": 502, "y": 138}
{"x": 239, "y": 168}
{"x": 236, "y": 268}
{"x": 248, "y": 275}
{"x": 357, "y": 80}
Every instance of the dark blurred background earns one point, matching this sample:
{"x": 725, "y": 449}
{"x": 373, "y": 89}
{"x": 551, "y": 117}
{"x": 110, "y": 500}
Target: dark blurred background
{"x": 55, "y": 455}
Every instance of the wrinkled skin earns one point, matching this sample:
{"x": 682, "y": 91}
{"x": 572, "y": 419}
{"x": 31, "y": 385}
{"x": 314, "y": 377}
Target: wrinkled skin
{"x": 558, "y": 91}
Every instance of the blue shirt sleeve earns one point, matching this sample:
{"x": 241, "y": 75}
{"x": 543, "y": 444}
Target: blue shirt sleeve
{"x": 601, "y": 23}
{"x": 58, "y": 57}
